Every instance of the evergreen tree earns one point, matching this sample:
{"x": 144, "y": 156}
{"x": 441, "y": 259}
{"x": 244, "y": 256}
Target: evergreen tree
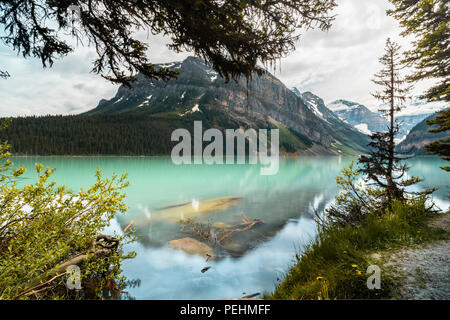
{"x": 428, "y": 22}
{"x": 383, "y": 165}
{"x": 233, "y": 35}
{"x": 440, "y": 147}
{"x": 382, "y": 169}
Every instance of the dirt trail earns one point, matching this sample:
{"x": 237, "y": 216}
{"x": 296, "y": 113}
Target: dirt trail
{"x": 426, "y": 269}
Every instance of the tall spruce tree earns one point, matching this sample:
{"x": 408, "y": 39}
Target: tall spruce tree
{"x": 428, "y": 22}
{"x": 383, "y": 165}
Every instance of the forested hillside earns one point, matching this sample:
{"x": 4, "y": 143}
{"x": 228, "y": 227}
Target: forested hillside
{"x": 90, "y": 135}
{"x": 125, "y": 134}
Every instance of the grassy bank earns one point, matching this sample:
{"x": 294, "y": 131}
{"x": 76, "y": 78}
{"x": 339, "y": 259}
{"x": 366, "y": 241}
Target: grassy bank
{"x": 334, "y": 265}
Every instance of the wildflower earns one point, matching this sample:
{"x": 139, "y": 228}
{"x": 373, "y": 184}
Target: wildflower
{"x": 354, "y": 265}
{"x": 345, "y": 252}
{"x": 359, "y": 273}
{"x": 319, "y": 278}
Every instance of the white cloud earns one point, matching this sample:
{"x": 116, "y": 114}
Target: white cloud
{"x": 340, "y": 63}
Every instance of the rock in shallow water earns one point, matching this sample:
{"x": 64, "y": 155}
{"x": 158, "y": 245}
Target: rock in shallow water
{"x": 191, "y": 246}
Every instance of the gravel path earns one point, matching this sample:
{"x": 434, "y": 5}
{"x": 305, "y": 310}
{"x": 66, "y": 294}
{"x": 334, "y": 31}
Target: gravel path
{"x": 426, "y": 269}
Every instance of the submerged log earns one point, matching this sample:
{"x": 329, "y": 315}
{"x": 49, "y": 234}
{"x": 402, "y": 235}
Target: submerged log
{"x": 186, "y": 210}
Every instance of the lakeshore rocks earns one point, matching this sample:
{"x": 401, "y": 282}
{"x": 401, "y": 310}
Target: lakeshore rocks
{"x": 191, "y": 246}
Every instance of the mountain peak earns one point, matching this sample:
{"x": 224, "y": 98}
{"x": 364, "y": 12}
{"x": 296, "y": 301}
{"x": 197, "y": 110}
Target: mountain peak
{"x": 358, "y": 115}
{"x": 341, "y": 104}
{"x": 296, "y": 91}
{"x": 200, "y": 93}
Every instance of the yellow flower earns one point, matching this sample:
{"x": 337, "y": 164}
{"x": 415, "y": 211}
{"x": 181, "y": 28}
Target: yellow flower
{"x": 345, "y": 252}
{"x": 319, "y": 278}
{"x": 359, "y": 273}
{"x": 354, "y": 265}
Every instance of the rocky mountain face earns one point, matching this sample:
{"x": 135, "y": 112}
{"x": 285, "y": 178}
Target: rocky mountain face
{"x": 359, "y": 116}
{"x": 419, "y": 136}
{"x": 261, "y": 102}
{"x": 316, "y": 105}
{"x": 367, "y": 121}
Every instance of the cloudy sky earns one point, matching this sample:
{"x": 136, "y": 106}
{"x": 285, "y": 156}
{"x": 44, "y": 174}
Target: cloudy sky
{"x": 337, "y": 64}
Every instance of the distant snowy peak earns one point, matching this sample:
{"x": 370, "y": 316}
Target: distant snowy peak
{"x": 422, "y": 107}
{"x": 415, "y": 111}
{"x": 358, "y": 115}
{"x": 317, "y": 106}
{"x": 343, "y": 105}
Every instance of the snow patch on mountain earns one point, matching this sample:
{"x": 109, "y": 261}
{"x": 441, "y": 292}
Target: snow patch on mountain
{"x": 212, "y": 75}
{"x": 146, "y": 101}
{"x": 315, "y": 108}
{"x": 343, "y": 105}
{"x": 120, "y": 99}
{"x": 313, "y": 102}
{"x": 364, "y": 128}
{"x": 358, "y": 115}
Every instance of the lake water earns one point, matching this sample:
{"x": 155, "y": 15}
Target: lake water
{"x": 255, "y": 261}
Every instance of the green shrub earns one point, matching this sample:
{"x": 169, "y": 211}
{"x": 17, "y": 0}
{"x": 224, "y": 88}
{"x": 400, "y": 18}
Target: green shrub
{"x": 44, "y": 227}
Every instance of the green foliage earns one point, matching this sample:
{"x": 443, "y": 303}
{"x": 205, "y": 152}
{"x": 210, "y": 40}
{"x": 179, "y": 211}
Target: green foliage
{"x": 233, "y": 36}
{"x": 383, "y": 167}
{"x": 123, "y": 134}
{"x": 92, "y": 135}
{"x": 354, "y": 202}
{"x": 291, "y": 141}
{"x": 358, "y": 198}
{"x": 334, "y": 265}
{"x": 440, "y": 147}
{"x": 44, "y": 225}
{"x": 427, "y": 21}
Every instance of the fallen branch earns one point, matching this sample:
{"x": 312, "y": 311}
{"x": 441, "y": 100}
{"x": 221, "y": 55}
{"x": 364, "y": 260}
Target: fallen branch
{"x": 33, "y": 290}
{"x": 220, "y": 235}
{"x": 106, "y": 243}
{"x": 241, "y": 228}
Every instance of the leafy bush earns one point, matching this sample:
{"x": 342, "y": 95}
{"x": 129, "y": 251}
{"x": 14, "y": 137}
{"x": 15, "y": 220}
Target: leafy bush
{"x": 45, "y": 227}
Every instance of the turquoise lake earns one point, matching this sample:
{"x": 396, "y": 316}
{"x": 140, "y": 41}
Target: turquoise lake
{"x": 286, "y": 202}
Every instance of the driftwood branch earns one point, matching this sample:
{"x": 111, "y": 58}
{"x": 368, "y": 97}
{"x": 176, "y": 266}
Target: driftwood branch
{"x": 245, "y": 226}
{"x": 106, "y": 243}
{"x": 221, "y": 235}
